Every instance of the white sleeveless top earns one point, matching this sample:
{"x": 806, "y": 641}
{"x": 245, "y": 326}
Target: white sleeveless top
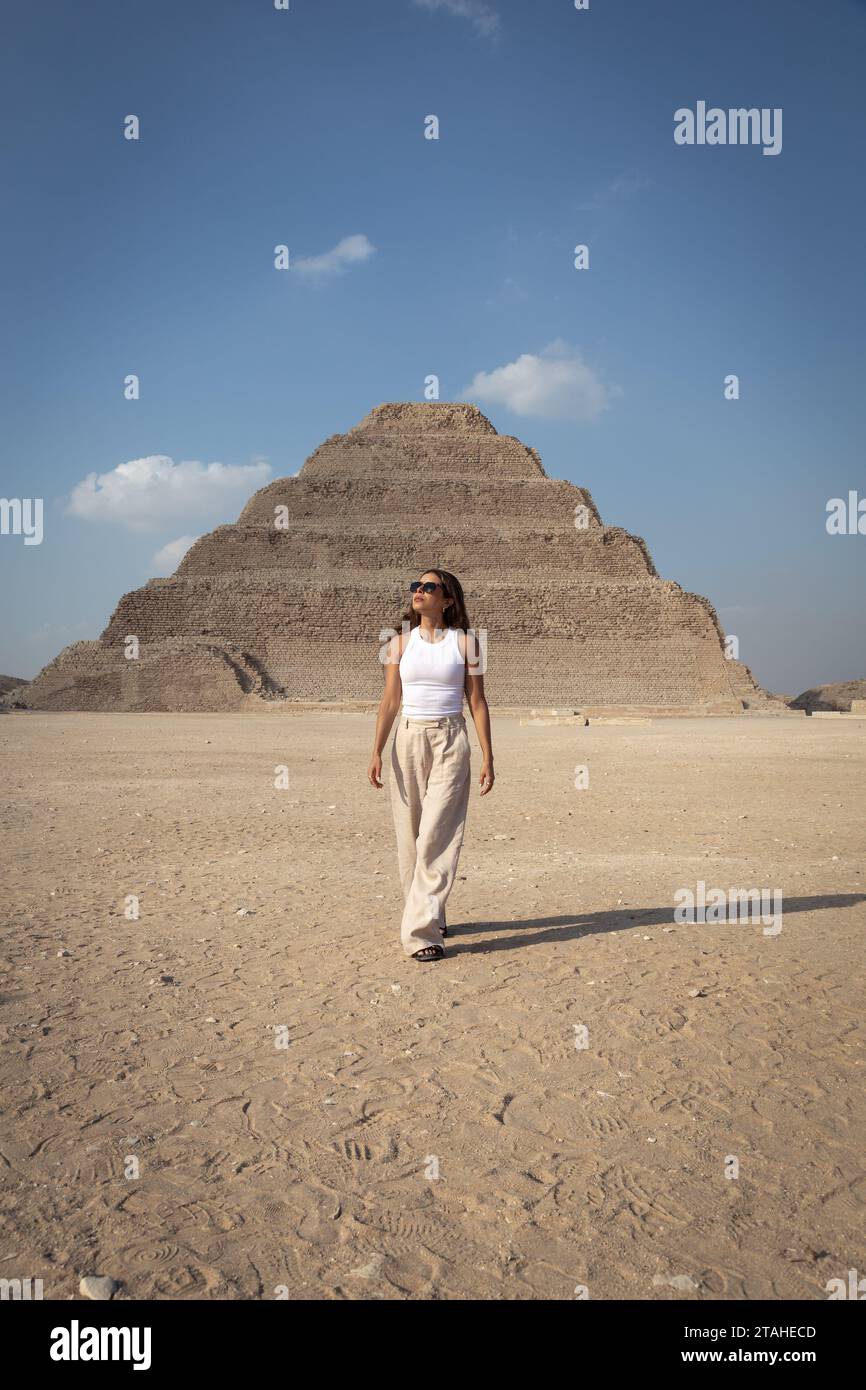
{"x": 432, "y": 675}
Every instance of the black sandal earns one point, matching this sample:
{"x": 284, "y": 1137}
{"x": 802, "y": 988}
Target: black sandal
{"x": 429, "y": 953}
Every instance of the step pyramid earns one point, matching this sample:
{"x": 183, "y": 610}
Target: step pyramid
{"x": 295, "y": 600}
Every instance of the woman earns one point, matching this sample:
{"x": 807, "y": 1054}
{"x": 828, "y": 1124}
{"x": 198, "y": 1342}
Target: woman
{"x": 431, "y": 664}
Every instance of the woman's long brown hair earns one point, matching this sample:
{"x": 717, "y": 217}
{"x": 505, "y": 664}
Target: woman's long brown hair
{"x": 455, "y": 614}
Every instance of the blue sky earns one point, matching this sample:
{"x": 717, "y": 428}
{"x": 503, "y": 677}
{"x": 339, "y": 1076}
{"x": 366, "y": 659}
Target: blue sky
{"x": 306, "y": 127}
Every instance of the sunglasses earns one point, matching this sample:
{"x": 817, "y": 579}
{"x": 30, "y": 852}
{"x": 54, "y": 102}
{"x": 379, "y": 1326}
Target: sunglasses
{"x": 428, "y": 588}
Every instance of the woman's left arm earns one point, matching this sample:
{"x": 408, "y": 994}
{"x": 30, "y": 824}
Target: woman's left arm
{"x": 477, "y": 701}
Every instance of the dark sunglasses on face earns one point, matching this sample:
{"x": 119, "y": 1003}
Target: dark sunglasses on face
{"x": 428, "y": 588}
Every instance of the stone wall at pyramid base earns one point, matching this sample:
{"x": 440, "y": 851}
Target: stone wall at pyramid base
{"x": 179, "y": 674}
{"x": 753, "y": 696}
{"x": 543, "y": 671}
{"x": 215, "y": 676}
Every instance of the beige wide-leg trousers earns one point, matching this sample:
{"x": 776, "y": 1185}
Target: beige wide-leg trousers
{"x": 429, "y": 796}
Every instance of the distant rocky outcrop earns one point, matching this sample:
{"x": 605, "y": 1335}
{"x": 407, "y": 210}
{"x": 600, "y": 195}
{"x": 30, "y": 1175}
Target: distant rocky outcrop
{"x": 294, "y": 601}
{"x": 9, "y": 685}
{"x": 837, "y": 695}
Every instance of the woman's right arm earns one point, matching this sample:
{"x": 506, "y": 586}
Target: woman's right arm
{"x": 389, "y": 706}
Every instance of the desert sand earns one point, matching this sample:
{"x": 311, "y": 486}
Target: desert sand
{"x": 249, "y": 1092}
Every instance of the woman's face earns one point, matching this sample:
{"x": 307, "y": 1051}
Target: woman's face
{"x": 430, "y": 606}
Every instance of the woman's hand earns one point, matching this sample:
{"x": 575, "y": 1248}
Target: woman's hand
{"x": 374, "y": 771}
{"x": 486, "y": 777}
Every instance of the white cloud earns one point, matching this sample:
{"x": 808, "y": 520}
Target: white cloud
{"x": 147, "y": 493}
{"x": 59, "y": 632}
{"x": 334, "y": 262}
{"x": 167, "y": 559}
{"x": 509, "y": 292}
{"x": 483, "y": 17}
{"x": 555, "y": 384}
{"x": 620, "y": 189}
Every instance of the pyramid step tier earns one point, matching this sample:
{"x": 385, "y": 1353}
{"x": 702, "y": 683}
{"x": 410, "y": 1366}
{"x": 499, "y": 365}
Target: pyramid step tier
{"x": 407, "y": 457}
{"x": 248, "y": 607}
{"x": 559, "y": 550}
{"x": 213, "y": 674}
{"x": 444, "y": 498}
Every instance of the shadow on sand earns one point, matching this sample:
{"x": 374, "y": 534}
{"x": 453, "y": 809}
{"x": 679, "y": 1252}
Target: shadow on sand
{"x": 533, "y": 931}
